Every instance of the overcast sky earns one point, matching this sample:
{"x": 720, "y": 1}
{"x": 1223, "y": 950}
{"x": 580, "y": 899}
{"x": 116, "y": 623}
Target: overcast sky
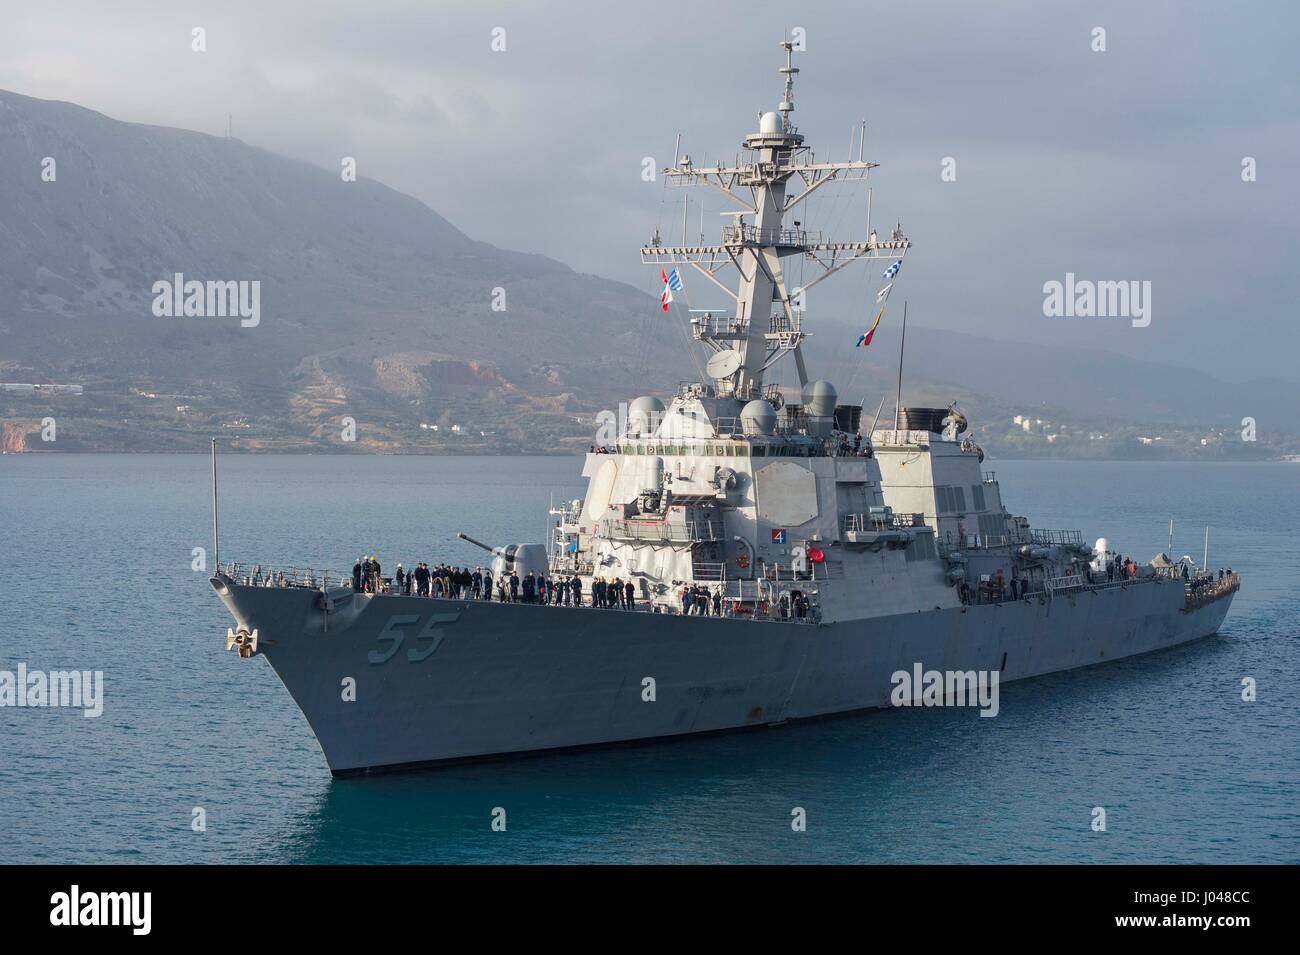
{"x": 1115, "y": 165}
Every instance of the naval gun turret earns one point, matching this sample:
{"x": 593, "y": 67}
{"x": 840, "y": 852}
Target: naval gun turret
{"x": 515, "y": 558}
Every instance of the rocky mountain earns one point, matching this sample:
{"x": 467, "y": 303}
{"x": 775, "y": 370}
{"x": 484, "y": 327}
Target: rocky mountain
{"x": 374, "y": 310}
{"x": 372, "y": 306}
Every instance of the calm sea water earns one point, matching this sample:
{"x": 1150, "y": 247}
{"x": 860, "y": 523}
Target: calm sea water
{"x": 95, "y": 558}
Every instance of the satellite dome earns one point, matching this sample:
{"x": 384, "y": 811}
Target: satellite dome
{"x": 644, "y": 414}
{"x": 758, "y": 417}
{"x": 819, "y": 399}
{"x": 771, "y": 124}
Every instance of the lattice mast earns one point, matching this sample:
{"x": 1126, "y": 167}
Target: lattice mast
{"x": 767, "y": 324}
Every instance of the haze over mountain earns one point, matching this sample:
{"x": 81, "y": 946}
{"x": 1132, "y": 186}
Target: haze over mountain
{"x": 374, "y": 307}
{"x": 1122, "y": 164}
{"x": 370, "y": 301}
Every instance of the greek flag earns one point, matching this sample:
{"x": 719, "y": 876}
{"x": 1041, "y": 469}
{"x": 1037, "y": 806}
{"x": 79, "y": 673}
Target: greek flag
{"x": 674, "y": 281}
{"x": 893, "y": 270}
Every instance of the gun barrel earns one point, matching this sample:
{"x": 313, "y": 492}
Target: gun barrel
{"x": 466, "y": 537}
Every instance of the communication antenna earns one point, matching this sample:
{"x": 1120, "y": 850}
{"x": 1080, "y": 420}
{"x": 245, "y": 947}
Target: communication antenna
{"x": 776, "y": 175}
{"x": 879, "y": 408}
{"x": 898, "y": 401}
{"x": 216, "y": 532}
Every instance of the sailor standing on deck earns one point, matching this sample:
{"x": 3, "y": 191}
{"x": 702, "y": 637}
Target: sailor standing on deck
{"x": 356, "y": 575}
{"x": 576, "y": 586}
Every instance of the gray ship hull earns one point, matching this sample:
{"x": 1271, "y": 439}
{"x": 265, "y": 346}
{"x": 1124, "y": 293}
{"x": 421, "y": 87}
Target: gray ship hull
{"x": 438, "y": 680}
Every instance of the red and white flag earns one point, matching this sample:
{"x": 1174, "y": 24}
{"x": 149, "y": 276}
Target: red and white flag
{"x": 667, "y": 295}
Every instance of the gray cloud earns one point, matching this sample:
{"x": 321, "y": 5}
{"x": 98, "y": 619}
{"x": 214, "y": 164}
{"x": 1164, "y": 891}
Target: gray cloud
{"x": 1116, "y": 165}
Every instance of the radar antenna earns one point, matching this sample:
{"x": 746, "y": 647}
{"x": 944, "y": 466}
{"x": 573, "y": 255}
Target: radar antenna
{"x": 768, "y": 319}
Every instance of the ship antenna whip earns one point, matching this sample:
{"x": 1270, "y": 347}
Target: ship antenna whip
{"x": 898, "y": 401}
{"x": 216, "y": 534}
{"x": 879, "y": 408}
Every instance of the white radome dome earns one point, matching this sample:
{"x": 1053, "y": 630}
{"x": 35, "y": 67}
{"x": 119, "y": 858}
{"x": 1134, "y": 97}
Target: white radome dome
{"x": 758, "y": 417}
{"x": 644, "y": 414}
{"x": 771, "y": 124}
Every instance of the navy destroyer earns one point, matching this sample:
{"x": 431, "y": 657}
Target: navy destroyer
{"x": 776, "y": 559}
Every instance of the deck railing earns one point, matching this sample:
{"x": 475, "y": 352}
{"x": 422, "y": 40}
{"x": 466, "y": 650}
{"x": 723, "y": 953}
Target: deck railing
{"x": 977, "y": 541}
{"x": 758, "y": 599}
{"x": 709, "y": 570}
{"x": 666, "y": 531}
{"x": 1198, "y": 593}
{"x": 876, "y": 522}
{"x": 1078, "y": 582}
{"x": 258, "y": 575}
{"x": 1050, "y": 537}
{"x": 732, "y": 235}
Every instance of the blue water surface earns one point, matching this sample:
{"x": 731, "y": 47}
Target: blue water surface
{"x": 95, "y": 564}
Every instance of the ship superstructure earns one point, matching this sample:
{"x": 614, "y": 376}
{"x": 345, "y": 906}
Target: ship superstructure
{"x": 784, "y": 559}
{"x": 726, "y": 484}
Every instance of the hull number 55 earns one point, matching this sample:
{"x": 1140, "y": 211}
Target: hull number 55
{"x": 425, "y": 642}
